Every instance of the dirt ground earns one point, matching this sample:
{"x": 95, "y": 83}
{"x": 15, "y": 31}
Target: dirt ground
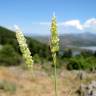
{"x": 39, "y": 83}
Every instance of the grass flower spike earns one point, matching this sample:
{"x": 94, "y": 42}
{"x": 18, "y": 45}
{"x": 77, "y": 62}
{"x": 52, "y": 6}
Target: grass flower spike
{"x": 54, "y": 36}
{"x": 24, "y": 48}
{"x": 54, "y": 46}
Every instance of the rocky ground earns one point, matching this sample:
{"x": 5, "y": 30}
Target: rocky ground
{"x": 15, "y": 81}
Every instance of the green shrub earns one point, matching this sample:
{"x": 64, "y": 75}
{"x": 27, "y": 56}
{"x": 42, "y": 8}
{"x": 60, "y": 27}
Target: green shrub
{"x": 36, "y": 58}
{"x": 80, "y": 62}
{"x": 67, "y": 53}
{"x": 7, "y": 86}
{"x": 8, "y": 56}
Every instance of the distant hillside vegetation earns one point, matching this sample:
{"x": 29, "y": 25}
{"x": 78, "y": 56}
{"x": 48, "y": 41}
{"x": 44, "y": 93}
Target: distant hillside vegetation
{"x": 9, "y": 37}
{"x": 78, "y": 39}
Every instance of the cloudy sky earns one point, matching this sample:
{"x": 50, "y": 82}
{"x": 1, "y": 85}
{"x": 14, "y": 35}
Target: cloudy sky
{"x": 34, "y": 16}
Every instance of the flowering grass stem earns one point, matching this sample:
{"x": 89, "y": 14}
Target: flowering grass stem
{"x": 54, "y": 46}
{"x": 24, "y": 49}
{"x": 55, "y": 73}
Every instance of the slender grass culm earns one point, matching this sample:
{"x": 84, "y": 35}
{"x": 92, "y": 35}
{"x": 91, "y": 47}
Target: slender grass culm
{"x": 54, "y": 46}
{"x": 24, "y": 49}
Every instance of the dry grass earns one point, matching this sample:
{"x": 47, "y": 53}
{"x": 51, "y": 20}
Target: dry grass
{"x": 41, "y": 84}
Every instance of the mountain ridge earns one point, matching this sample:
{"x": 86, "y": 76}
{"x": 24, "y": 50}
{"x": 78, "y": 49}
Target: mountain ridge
{"x": 78, "y": 39}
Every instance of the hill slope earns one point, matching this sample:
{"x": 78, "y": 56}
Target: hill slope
{"x": 80, "y": 39}
{"x": 8, "y": 37}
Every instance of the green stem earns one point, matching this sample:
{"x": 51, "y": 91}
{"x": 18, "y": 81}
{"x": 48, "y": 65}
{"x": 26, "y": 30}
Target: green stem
{"x": 55, "y": 73}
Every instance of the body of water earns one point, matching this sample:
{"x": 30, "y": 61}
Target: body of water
{"x": 79, "y": 49}
{"x": 92, "y": 48}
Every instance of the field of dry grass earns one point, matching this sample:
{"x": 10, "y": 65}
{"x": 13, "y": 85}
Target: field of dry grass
{"x": 40, "y": 83}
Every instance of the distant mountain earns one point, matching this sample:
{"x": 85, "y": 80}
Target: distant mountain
{"x": 80, "y": 39}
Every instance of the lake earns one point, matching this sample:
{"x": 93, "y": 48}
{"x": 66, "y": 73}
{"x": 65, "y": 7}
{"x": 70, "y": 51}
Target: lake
{"x": 79, "y": 49}
{"x": 92, "y": 48}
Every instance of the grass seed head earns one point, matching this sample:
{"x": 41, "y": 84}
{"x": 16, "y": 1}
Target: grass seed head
{"x": 54, "y": 36}
{"x": 24, "y": 48}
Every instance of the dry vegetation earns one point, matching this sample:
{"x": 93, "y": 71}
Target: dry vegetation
{"x": 40, "y": 84}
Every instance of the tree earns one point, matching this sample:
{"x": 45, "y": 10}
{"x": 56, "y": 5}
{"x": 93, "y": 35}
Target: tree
{"x": 67, "y": 53}
{"x": 8, "y": 56}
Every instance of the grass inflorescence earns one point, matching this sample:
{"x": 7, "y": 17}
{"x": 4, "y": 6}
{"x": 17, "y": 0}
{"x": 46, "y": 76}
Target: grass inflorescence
{"x": 24, "y": 48}
{"x": 54, "y": 46}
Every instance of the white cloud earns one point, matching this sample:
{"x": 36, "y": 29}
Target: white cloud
{"x": 76, "y": 26}
{"x": 70, "y": 26}
{"x": 90, "y": 22}
{"x": 73, "y": 23}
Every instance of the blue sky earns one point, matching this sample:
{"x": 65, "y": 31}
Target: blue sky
{"x": 33, "y": 16}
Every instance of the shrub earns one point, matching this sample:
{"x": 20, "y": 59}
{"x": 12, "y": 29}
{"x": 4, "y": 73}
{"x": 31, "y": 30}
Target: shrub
{"x": 80, "y": 62}
{"x": 7, "y": 86}
{"x": 67, "y": 53}
{"x": 36, "y": 58}
{"x": 8, "y": 56}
